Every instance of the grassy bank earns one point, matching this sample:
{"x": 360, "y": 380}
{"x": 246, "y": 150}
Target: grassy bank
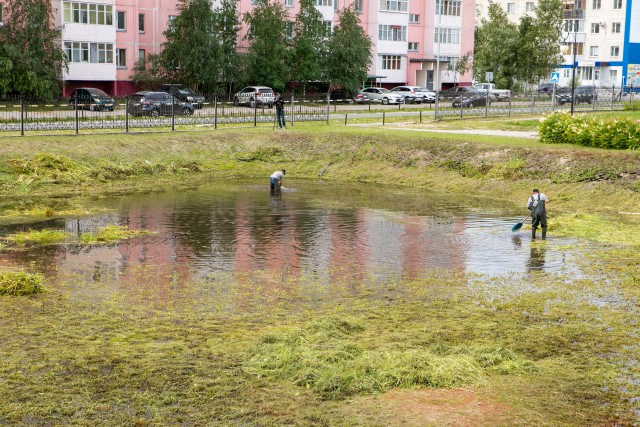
{"x": 154, "y": 347}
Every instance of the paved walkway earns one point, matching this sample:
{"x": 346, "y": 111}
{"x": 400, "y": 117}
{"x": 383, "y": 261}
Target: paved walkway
{"x": 488, "y": 132}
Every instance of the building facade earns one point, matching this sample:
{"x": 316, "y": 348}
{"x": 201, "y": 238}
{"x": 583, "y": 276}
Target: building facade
{"x": 415, "y": 42}
{"x": 601, "y": 39}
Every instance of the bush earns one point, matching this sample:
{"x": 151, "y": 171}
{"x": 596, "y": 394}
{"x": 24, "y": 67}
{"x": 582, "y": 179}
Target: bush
{"x": 561, "y": 128}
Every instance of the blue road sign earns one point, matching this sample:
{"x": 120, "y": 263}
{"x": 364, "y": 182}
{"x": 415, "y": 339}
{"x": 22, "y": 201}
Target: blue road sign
{"x": 555, "y": 77}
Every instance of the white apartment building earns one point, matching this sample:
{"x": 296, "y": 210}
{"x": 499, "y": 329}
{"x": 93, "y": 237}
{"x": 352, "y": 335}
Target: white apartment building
{"x": 602, "y": 39}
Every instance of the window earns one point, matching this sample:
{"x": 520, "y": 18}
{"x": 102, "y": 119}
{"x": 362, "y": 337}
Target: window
{"x": 447, "y": 35}
{"x": 323, "y": 3}
{"x": 585, "y": 73}
{"x": 141, "y": 22}
{"x": 595, "y": 28}
{"x": 121, "y": 22}
{"x": 529, "y": 6}
{"x": 327, "y": 28}
{"x": 613, "y": 75}
{"x": 596, "y": 74}
{"x": 288, "y": 3}
{"x": 596, "y": 4}
{"x": 358, "y": 4}
{"x": 615, "y": 28}
{"x": 288, "y": 30}
{"x": 394, "y": 5}
{"x": 170, "y": 20}
{"x": 87, "y": 13}
{"x": 593, "y": 51}
{"x": 511, "y": 8}
{"x": 121, "y": 58}
{"x": 617, "y": 4}
{"x": 566, "y": 73}
{"x": 414, "y": 19}
{"x": 0, "y": 13}
{"x": 450, "y": 7}
{"x": 141, "y": 54}
{"x": 95, "y": 53}
{"x": 572, "y": 25}
{"x": 391, "y": 62}
{"x": 412, "y": 47}
{"x": 615, "y": 51}
{"x": 394, "y": 33}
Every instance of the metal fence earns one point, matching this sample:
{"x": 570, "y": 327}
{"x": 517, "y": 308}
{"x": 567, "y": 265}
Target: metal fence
{"x": 23, "y": 115}
{"x": 64, "y": 114}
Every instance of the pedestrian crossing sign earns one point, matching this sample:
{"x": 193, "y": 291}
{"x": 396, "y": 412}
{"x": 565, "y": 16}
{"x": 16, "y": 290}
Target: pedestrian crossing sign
{"x": 555, "y": 77}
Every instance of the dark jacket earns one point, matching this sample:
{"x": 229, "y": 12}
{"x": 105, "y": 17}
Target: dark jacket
{"x": 279, "y": 104}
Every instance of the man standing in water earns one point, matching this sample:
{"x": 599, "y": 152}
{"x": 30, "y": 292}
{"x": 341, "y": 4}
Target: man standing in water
{"x": 276, "y": 179}
{"x": 537, "y": 205}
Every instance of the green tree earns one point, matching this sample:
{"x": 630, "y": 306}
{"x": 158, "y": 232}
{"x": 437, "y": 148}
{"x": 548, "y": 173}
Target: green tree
{"x": 462, "y": 65}
{"x": 349, "y": 56}
{"x": 538, "y": 50}
{"x": 228, "y": 25}
{"x": 265, "y": 60}
{"x": 193, "y": 50}
{"x": 495, "y": 47}
{"x": 308, "y": 53}
{"x": 31, "y": 59}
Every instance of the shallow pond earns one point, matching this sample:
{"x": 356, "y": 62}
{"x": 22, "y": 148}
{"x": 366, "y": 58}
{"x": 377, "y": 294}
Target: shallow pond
{"x": 311, "y": 228}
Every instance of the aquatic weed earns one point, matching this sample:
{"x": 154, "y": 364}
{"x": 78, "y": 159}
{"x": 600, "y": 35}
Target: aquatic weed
{"x": 112, "y": 233}
{"x": 20, "y": 283}
{"x": 40, "y": 237}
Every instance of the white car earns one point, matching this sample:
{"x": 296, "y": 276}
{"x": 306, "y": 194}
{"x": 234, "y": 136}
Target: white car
{"x": 415, "y": 94}
{"x": 379, "y": 94}
{"x": 255, "y": 95}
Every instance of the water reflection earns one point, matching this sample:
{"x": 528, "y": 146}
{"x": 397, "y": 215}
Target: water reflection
{"x": 330, "y": 232}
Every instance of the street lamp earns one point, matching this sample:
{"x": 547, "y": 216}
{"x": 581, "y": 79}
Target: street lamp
{"x": 574, "y": 28}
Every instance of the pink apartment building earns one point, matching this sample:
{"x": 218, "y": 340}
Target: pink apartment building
{"x": 104, "y": 39}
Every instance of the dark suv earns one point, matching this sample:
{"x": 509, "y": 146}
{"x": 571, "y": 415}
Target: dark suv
{"x": 582, "y": 93}
{"x": 88, "y": 98}
{"x": 183, "y": 93}
{"x": 157, "y": 104}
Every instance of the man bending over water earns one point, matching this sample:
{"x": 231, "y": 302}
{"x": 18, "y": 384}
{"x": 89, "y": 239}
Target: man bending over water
{"x": 276, "y": 179}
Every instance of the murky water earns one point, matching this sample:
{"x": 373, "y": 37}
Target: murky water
{"x": 311, "y": 228}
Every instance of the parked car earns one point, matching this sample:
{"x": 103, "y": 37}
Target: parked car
{"x": 88, "y": 98}
{"x": 454, "y": 92}
{"x": 348, "y": 96}
{"x": 586, "y": 94}
{"x": 183, "y": 93}
{"x": 497, "y": 94}
{"x": 415, "y": 94}
{"x": 379, "y": 94}
{"x": 546, "y": 88}
{"x": 155, "y": 104}
{"x": 471, "y": 98}
{"x": 255, "y": 95}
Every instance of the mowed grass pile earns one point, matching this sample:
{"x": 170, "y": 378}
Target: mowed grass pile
{"x": 19, "y": 283}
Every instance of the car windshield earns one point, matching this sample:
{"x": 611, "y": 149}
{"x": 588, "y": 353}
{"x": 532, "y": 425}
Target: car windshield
{"x": 383, "y": 90}
{"x": 185, "y": 90}
{"x": 97, "y": 92}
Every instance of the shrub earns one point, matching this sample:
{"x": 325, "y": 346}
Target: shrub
{"x": 560, "y": 128}
{"x": 20, "y": 283}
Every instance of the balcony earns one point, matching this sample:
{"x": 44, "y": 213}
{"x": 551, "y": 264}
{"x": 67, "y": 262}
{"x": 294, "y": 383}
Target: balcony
{"x": 573, "y": 14}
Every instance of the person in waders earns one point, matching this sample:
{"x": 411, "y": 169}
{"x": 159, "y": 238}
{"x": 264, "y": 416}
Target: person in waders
{"x": 275, "y": 180}
{"x": 537, "y": 205}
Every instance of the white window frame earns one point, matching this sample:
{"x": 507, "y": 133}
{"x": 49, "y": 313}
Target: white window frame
{"x": 595, "y": 28}
{"x": 74, "y": 12}
{"x": 617, "y": 4}
{"x": 392, "y": 62}
{"x": 615, "y": 51}
{"x": 594, "y": 51}
{"x": 88, "y": 52}
{"x": 394, "y": 33}
{"x": 142, "y": 55}
{"x": 449, "y": 7}
{"x": 394, "y": 5}
{"x": 596, "y": 4}
{"x": 121, "y": 54}
{"x": 288, "y": 3}
{"x": 529, "y": 6}
{"x": 447, "y": 35}
{"x": 324, "y": 3}
{"x": 613, "y": 75}
{"x": 566, "y": 73}
{"x": 511, "y": 8}
{"x": 412, "y": 47}
{"x": 414, "y": 18}
{"x": 616, "y": 27}
{"x": 118, "y": 20}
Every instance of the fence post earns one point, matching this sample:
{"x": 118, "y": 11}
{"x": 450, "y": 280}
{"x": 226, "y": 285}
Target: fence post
{"x": 486, "y": 104}
{"x": 509, "y": 106}
{"x": 126, "y": 113}
{"x": 613, "y": 95}
{"x": 383, "y": 117}
{"x": 435, "y": 111}
{"x": 75, "y": 105}
{"x": 533, "y": 100}
{"x": 345, "y": 119}
{"x": 215, "y": 111}
{"x": 173, "y": 115}
{"x": 420, "y": 116}
{"x": 328, "y": 107}
{"x": 293, "y": 113}
{"x": 21, "y": 116}
{"x": 461, "y": 101}
{"x": 255, "y": 113}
